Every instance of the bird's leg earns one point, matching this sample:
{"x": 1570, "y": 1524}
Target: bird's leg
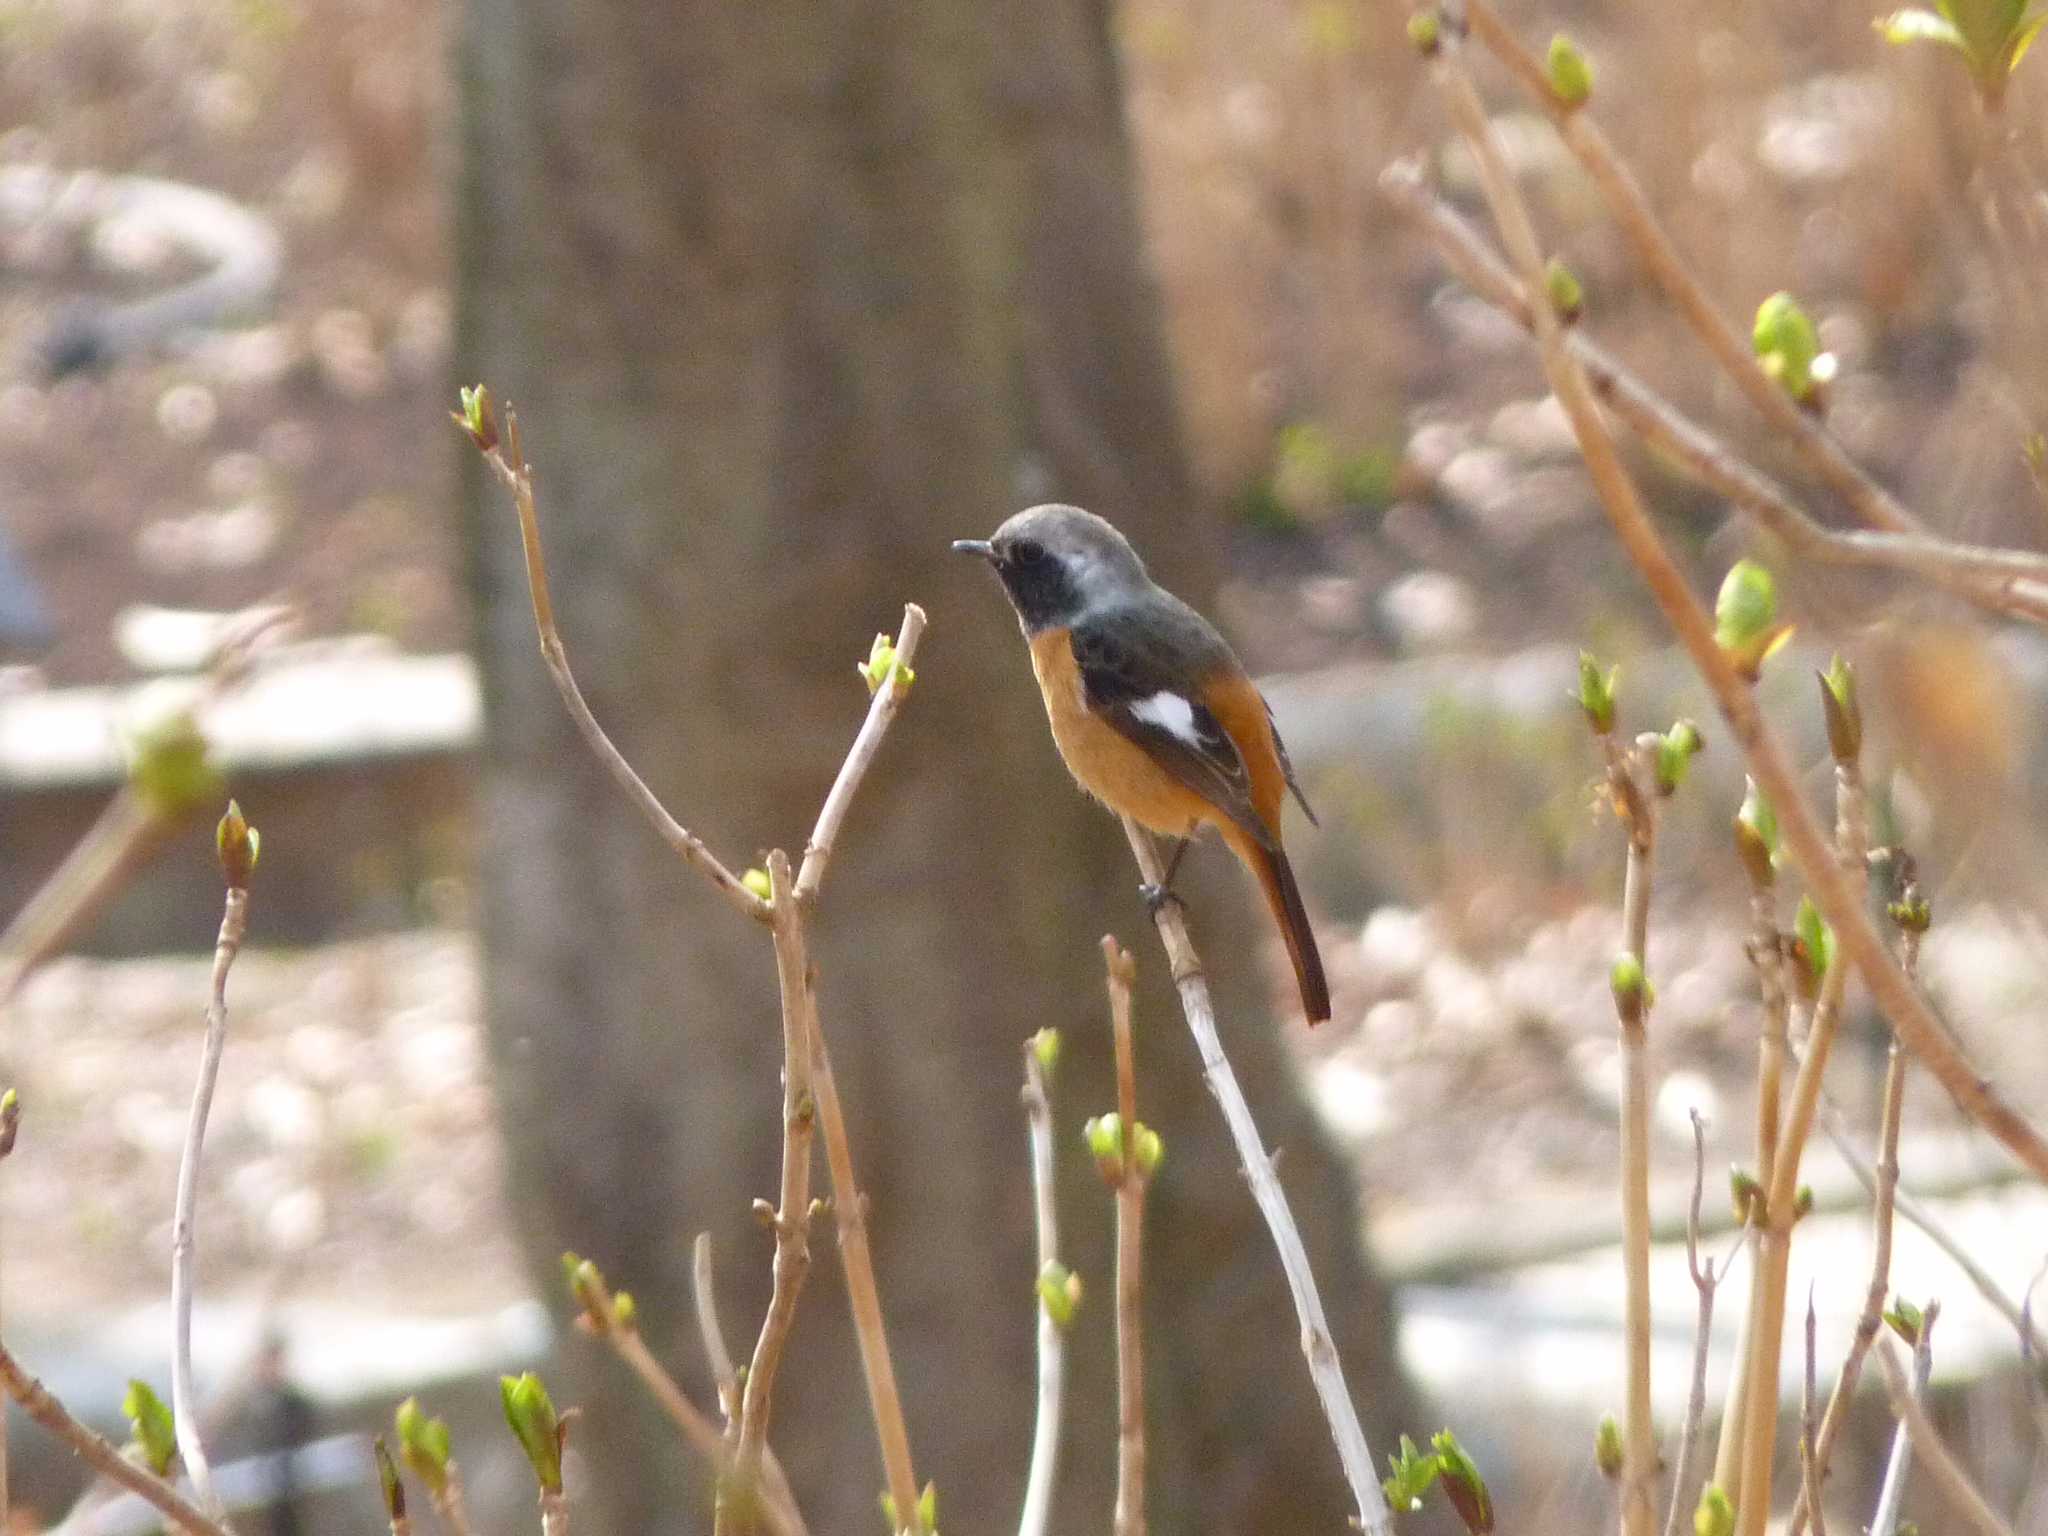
{"x": 1157, "y": 896}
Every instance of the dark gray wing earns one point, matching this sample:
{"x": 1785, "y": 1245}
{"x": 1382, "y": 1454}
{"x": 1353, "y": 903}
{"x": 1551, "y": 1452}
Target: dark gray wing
{"x": 1287, "y": 769}
{"x": 1136, "y": 668}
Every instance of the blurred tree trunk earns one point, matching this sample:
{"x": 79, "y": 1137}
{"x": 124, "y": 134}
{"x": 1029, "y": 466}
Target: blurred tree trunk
{"x": 788, "y": 296}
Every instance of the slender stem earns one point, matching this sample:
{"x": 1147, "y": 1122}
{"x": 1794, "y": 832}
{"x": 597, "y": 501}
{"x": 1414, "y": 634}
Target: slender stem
{"x": 863, "y": 1295}
{"x": 1325, "y": 1369}
{"x": 1840, "y": 899}
{"x": 2007, "y": 581}
{"x": 738, "y": 1496}
{"x": 1766, "y": 953}
{"x": 1872, "y": 1316}
{"x": 1704, "y": 1281}
{"x": 849, "y": 1207}
{"x": 1639, "y": 1435}
{"x": 1759, "y": 1431}
{"x": 450, "y": 1504}
{"x": 554, "y": 1513}
{"x": 888, "y": 700}
{"x": 1808, "y": 1438}
{"x": 725, "y": 1376}
{"x": 511, "y": 467}
{"x": 1036, "y": 1517}
{"x": 234, "y": 924}
{"x": 1130, "y": 1222}
{"x": 99, "y": 1454}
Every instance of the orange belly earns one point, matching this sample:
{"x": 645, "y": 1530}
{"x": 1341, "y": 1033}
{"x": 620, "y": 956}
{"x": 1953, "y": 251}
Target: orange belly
{"x": 1104, "y": 761}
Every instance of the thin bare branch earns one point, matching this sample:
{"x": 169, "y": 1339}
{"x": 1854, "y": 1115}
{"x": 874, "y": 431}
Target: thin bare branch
{"x": 2005, "y": 581}
{"x": 234, "y": 924}
{"x": 511, "y": 468}
{"x": 1809, "y": 1462}
{"x": 724, "y": 1375}
{"x": 738, "y": 1495}
{"x": 1130, "y": 1225}
{"x": 1035, "y": 1518}
{"x": 1704, "y": 1281}
{"x": 1884, "y": 1194}
{"x": 604, "y": 1318}
{"x": 100, "y": 1454}
{"x": 1918, "y": 1430}
{"x": 554, "y": 1513}
{"x": 849, "y": 1208}
{"x": 1325, "y": 1369}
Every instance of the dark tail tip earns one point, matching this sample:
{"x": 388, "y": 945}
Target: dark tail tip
{"x": 1285, "y": 897}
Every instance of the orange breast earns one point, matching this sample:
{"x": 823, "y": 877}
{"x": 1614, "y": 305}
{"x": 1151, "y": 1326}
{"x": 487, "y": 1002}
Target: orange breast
{"x": 1119, "y": 772}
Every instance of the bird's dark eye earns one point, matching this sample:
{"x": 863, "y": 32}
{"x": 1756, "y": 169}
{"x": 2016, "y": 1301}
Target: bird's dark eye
{"x": 1026, "y": 551}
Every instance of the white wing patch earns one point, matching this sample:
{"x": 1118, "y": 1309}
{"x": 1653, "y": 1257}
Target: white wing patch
{"x": 1172, "y": 714}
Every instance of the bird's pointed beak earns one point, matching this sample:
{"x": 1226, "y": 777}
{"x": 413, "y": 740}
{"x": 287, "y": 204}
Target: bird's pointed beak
{"x": 980, "y": 547}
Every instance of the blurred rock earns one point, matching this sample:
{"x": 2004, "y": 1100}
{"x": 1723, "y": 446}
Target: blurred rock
{"x": 1429, "y": 611}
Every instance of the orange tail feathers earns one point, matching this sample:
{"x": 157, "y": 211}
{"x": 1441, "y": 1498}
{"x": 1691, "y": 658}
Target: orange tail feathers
{"x": 1276, "y": 879}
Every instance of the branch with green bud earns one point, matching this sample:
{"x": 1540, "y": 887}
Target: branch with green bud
{"x": 425, "y": 1447}
{"x": 883, "y": 664}
{"x": 238, "y": 846}
{"x": 927, "y": 1512}
{"x": 540, "y": 1431}
{"x": 170, "y": 766}
{"x": 152, "y": 1431}
{"x": 1746, "y": 626}
{"x": 1569, "y": 72}
{"x": 1844, "y": 713}
{"x": 1607, "y": 1446}
{"x": 1566, "y": 293}
{"x": 1813, "y": 944}
{"x": 1596, "y": 693}
{"x": 1990, "y": 38}
{"x": 1425, "y": 31}
{"x": 1676, "y": 749}
{"x": 1447, "y": 1467}
{"x": 1788, "y": 348}
{"x": 1059, "y": 1292}
{"x": 1756, "y": 837}
{"x": 1714, "y": 1515}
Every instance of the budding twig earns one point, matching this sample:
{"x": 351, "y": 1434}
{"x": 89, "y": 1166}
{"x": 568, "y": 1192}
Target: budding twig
{"x": 234, "y": 924}
{"x": 738, "y": 1494}
{"x": 511, "y": 467}
{"x": 1704, "y": 1281}
{"x": 1325, "y": 1369}
{"x": 101, "y": 1455}
{"x": 1035, "y": 1518}
{"x": 1631, "y": 210}
{"x": 1917, "y": 1431}
{"x": 1839, "y": 898}
{"x": 1628, "y": 774}
{"x": 863, "y": 1294}
{"x": 2000, "y": 580}
{"x": 725, "y": 1377}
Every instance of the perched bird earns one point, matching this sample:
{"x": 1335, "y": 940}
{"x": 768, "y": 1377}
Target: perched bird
{"x": 1150, "y": 708}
